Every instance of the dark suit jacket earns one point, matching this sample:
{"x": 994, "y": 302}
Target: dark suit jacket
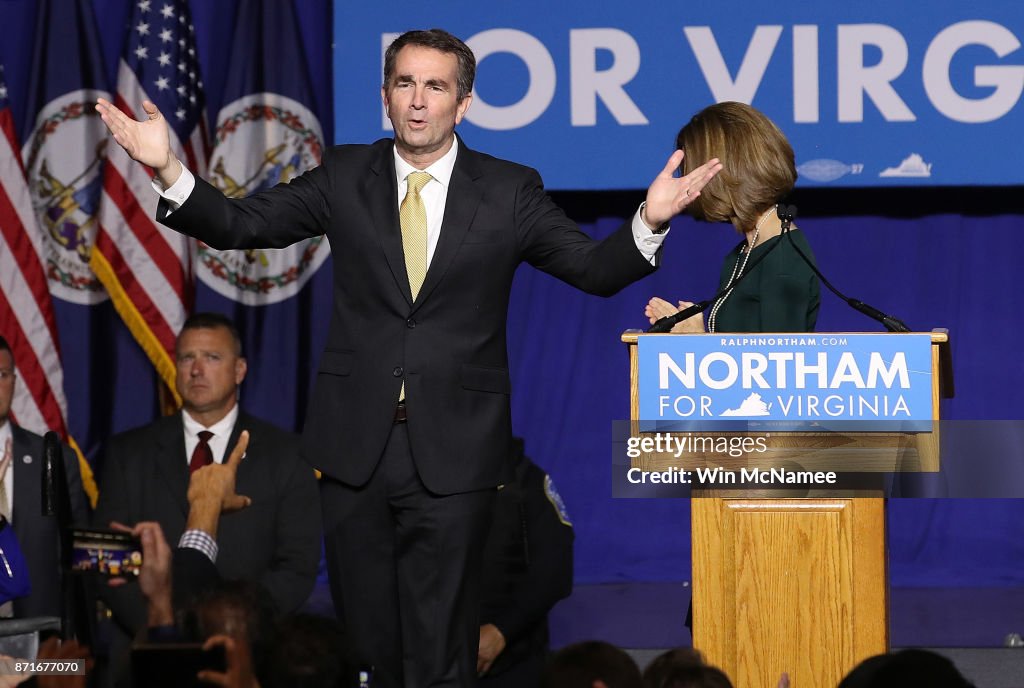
{"x": 192, "y": 572}
{"x": 276, "y": 540}
{"x": 449, "y": 346}
{"x": 38, "y": 536}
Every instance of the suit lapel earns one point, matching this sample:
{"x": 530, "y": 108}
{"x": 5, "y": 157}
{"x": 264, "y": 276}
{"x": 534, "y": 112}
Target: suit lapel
{"x": 381, "y": 195}
{"x": 27, "y": 483}
{"x": 459, "y": 209}
{"x": 171, "y": 462}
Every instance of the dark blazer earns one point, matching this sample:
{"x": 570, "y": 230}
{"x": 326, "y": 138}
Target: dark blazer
{"x": 192, "y": 572}
{"x": 276, "y": 540}
{"x": 449, "y": 346}
{"x": 38, "y": 535}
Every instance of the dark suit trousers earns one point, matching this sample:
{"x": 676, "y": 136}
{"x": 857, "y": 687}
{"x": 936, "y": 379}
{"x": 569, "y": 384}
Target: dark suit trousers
{"x": 405, "y": 569}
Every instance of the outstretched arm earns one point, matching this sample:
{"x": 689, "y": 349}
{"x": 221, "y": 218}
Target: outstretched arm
{"x": 147, "y": 141}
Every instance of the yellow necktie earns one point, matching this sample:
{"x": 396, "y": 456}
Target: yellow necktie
{"x": 413, "y": 218}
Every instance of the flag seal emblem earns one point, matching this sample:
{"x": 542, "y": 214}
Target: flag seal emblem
{"x": 263, "y": 139}
{"x": 65, "y": 180}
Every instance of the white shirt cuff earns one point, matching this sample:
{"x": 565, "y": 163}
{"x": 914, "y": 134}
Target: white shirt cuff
{"x": 647, "y": 242}
{"x": 200, "y": 540}
{"x": 178, "y": 192}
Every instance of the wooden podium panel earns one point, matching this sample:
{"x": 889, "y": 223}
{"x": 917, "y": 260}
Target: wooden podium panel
{"x": 789, "y": 585}
{"x": 795, "y": 585}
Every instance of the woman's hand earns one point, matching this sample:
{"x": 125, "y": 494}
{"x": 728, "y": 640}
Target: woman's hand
{"x": 658, "y": 308}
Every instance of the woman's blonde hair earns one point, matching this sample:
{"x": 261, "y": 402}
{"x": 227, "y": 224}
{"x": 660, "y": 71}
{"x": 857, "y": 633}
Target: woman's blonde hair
{"x": 758, "y": 168}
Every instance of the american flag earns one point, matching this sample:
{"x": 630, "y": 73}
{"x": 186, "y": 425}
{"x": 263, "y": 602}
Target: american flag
{"x": 27, "y": 319}
{"x": 147, "y": 268}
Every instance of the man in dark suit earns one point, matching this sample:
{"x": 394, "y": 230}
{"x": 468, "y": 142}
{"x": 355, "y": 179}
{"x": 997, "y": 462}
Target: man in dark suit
{"x": 276, "y": 539}
{"x": 409, "y": 420}
{"x": 21, "y": 479}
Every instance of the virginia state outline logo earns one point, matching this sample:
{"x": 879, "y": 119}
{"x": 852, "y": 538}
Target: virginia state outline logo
{"x": 262, "y": 139}
{"x": 64, "y": 160}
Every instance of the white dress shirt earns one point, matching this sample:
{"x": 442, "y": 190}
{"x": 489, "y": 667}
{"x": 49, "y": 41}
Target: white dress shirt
{"x": 221, "y": 434}
{"x": 434, "y": 195}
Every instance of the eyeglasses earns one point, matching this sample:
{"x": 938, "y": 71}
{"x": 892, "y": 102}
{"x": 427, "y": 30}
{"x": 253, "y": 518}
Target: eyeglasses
{"x": 6, "y": 374}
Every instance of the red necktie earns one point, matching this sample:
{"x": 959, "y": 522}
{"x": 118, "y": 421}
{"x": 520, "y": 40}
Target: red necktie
{"x": 202, "y": 455}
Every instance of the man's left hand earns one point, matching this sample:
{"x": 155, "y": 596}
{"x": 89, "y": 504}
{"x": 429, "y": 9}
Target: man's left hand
{"x": 155, "y": 574}
{"x": 492, "y": 643}
{"x": 668, "y": 195}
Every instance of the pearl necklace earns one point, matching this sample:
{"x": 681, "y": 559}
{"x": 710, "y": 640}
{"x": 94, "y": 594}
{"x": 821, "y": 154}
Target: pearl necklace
{"x": 737, "y": 270}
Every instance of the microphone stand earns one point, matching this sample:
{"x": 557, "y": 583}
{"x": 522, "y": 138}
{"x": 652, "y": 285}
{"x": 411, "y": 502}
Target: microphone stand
{"x": 56, "y": 502}
{"x": 786, "y": 213}
{"x": 893, "y": 324}
{"x": 663, "y": 325}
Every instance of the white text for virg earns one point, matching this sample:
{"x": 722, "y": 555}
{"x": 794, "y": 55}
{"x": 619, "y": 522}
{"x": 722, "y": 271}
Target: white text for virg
{"x": 859, "y": 79}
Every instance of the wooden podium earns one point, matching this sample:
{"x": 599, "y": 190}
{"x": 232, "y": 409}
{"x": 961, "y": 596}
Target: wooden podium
{"x": 795, "y": 585}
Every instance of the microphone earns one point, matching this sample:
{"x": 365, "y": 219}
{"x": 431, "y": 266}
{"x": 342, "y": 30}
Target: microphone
{"x": 893, "y": 324}
{"x": 786, "y": 215}
{"x": 53, "y": 471}
{"x": 663, "y": 325}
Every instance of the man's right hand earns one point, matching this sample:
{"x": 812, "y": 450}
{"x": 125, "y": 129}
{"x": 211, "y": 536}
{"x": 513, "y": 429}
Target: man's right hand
{"x": 492, "y": 644}
{"x": 211, "y": 491}
{"x": 215, "y": 483}
{"x": 147, "y": 141}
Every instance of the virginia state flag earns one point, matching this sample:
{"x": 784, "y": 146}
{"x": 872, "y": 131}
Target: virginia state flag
{"x": 146, "y": 267}
{"x": 64, "y": 153}
{"x": 64, "y": 148}
{"x": 268, "y": 131}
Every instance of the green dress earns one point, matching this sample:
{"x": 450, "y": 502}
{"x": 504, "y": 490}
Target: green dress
{"x": 781, "y": 294}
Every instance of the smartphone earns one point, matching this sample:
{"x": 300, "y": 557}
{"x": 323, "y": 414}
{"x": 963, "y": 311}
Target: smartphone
{"x": 174, "y": 665}
{"x": 106, "y": 552}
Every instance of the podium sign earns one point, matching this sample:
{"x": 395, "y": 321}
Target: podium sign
{"x": 786, "y": 382}
{"x": 784, "y": 583}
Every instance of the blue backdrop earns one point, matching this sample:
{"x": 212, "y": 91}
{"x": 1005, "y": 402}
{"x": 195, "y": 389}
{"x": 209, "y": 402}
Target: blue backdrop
{"x": 939, "y": 258}
{"x": 871, "y": 93}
